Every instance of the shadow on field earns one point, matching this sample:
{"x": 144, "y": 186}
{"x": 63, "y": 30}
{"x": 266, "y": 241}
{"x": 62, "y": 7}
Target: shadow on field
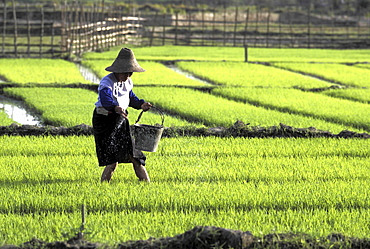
{"x": 34, "y": 182}
{"x": 256, "y": 181}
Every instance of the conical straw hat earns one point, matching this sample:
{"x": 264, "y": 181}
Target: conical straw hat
{"x": 125, "y": 63}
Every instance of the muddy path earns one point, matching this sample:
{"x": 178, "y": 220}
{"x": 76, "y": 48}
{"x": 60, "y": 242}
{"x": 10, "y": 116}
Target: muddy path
{"x": 204, "y": 237}
{"x": 238, "y": 129}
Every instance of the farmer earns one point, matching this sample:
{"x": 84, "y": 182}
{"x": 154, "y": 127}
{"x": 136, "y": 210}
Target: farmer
{"x": 113, "y": 141}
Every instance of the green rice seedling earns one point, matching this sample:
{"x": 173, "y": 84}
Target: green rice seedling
{"x": 342, "y": 74}
{"x": 73, "y": 106}
{"x": 355, "y": 94}
{"x": 218, "y": 111}
{"x": 58, "y": 106}
{"x": 305, "y": 103}
{"x": 5, "y": 120}
{"x": 40, "y": 71}
{"x": 248, "y": 74}
{"x": 315, "y": 186}
{"x": 156, "y": 74}
{"x": 308, "y": 55}
{"x": 168, "y": 53}
{"x": 212, "y": 53}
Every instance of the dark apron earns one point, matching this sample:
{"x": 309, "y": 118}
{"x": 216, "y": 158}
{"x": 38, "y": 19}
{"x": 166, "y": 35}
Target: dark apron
{"x": 113, "y": 139}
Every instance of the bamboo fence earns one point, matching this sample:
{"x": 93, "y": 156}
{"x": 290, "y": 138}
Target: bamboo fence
{"x": 68, "y": 30}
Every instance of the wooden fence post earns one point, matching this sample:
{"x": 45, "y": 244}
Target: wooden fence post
{"x": 214, "y": 27}
{"x": 224, "y": 38}
{"x": 71, "y": 35}
{"x": 52, "y": 33}
{"x": 153, "y": 30}
{"x": 83, "y": 29}
{"x": 15, "y": 30}
{"x": 291, "y": 31}
{"x": 268, "y": 29}
{"x": 42, "y": 29}
{"x": 203, "y": 25}
{"x": 176, "y": 26}
{"x": 246, "y": 27}
{"x": 4, "y": 27}
{"x": 76, "y": 29}
{"x": 235, "y": 25}
{"x": 63, "y": 28}
{"x": 256, "y": 31}
{"x": 102, "y": 10}
{"x": 309, "y": 25}
{"x": 28, "y": 30}
{"x": 245, "y": 53}
{"x": 94, "y": 20}
{"x": 164, "y": 29}
{"x": 116, "y": 24}
{"x": 280, "y": 34}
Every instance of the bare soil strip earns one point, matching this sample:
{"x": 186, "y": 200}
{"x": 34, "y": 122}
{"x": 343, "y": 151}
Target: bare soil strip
{"x": 203, "y": 237}
{"x": 239, "y": 129}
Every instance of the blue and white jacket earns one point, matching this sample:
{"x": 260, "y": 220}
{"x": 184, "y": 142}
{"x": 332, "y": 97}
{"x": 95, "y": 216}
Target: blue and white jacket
{"x": 112, "y": 93}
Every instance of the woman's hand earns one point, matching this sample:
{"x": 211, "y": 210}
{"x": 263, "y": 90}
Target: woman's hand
{"x": 146, "y": 106}
{"x": 119, "y": 110}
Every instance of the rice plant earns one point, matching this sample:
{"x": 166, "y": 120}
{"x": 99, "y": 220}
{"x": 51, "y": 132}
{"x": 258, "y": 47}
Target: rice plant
{"x": 306, "y": 103}
{"x": 156, "y": 74}
{"x": 354, "y": 94}
{"x": 219, "y": 111}
{"x": 73, "y": 106}
{"x": 316, "y": 186}
{"x": 212, "y": 53}
{"x": 4, "y": 119}
{"x": 40, "y": 71}
{"x": 248, "y": 74}
{"x": 342, "y": 74}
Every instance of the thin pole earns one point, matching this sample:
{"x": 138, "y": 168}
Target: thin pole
{"x": 214, "y": 27}
{"x": 42, "y": 29}
{"x": 53, "y": 32}
{"x": 235, "y": 24}
{"x": 309, "y": 25}
{"x": 256, "y": 32}
{"x": 4, "y": 26}
{"x": 246, "y": 27}
{"x": 224, "y": 40}
{"x": 15, "y": 30}
{"x": 268, "y": 28}
{"x": 203, "y": 26}
{"x": 177, "y": 26}
{"x": 164, "y": 29}
{"x": 28, "y": 30}
{"x": 245, "y": 53}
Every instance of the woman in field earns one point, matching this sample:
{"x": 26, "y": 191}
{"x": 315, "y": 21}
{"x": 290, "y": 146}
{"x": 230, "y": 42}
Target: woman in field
{"x": 113, "y": 141}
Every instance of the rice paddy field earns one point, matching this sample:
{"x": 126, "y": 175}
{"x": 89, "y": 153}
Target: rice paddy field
{"x": 315, "y": 186}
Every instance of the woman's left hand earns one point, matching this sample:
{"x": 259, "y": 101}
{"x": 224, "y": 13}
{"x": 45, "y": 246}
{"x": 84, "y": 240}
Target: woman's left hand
{"x": 146, "y": 106}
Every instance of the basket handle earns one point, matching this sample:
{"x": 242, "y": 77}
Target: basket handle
{"x": 141, "y": 113}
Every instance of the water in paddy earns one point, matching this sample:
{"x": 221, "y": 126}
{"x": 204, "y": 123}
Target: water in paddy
{"x": 88, "y": 74}
{"x": 17, "y": 111}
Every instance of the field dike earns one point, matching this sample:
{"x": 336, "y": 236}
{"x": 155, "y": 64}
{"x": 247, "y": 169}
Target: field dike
{"x": 208, "y": 237}
{"x": 238, "y": 129}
